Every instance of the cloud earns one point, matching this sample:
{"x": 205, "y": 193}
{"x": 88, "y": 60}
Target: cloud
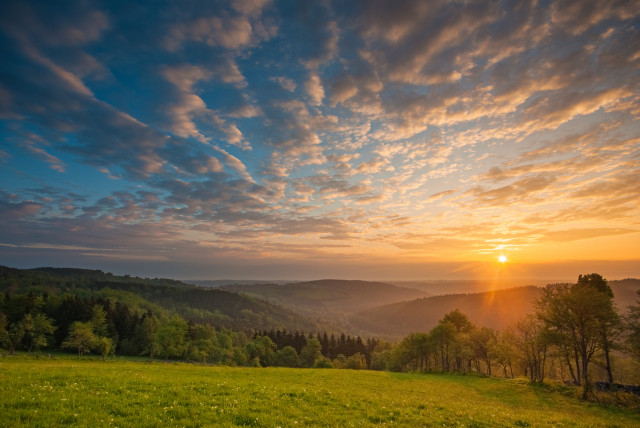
{"x": 521, "y": 191}
{"x": 577, "y": 17}
{"x": 189, "y": 106}
{"x": 31, "y": 143}
{"x": 18, "y": 210}
{"x": 579, "y": 234}
{"x": 314, "y": 88}
{"x": 225, "y": 31}
{"x": 286, "y": 83}
{"x": 332, "y": 187}
{"x": 374, "y": 165}
{"x": 51, "y": 25}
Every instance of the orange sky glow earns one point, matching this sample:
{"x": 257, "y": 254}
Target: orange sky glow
{"x": 362, "y": 140}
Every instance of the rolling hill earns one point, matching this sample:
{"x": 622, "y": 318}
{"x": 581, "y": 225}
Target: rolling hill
{"x": 217, "y": 307}
{"x": 495, "y": 309}
{"x": 328, "y": 297}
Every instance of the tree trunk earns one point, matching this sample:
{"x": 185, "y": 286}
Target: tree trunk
{"x": 573, "y": 375}
{"x": 578, "y": 377}
{"x": 586, "y": 390}
{"x": 607, "y": 358}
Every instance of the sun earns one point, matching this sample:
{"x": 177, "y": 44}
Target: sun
{"x": 502, "y": 258}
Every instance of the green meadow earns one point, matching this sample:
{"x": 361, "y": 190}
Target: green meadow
{"x": 89, "y": 392}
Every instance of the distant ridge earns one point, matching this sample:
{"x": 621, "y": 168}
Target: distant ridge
{"x": 214, "y": 283}
{"x": 495, "y": 309}
{"x": 329, "y": 297}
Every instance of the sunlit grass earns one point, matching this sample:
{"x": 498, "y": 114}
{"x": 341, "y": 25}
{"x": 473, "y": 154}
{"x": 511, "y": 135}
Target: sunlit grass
{"x": 62, "y": 391}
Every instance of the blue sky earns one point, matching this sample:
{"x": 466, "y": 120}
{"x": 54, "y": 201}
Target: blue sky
{"x": 286, "y": 139}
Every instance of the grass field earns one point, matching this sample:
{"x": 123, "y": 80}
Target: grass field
{"x": 88, "y": 392}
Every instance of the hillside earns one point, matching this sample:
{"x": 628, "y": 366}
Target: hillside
{"x": 217, "y": 307}
{"x": 625, "y": 293}
{"x": 461, "y": 286}
{"x": 328, "y": 297}
{"x": 85, "y": 392}
{"x": 495, "y": 309}
{"x": 491, "y": 309}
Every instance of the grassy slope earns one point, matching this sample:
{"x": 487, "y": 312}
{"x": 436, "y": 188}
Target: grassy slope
{"x": 122, "y": 393}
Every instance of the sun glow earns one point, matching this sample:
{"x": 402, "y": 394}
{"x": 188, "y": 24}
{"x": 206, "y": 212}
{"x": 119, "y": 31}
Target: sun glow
{"x": 502, "y": 258}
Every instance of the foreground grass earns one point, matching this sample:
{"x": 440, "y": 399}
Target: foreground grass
{"x": 86, "y": 392}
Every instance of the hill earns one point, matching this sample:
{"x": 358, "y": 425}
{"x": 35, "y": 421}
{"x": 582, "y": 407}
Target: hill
{"x": 217, "y": 307}
{"x": 328, "y": 297}
{"x": 437, "y": 287}
{"x": 495, "y": 309}
{"x": 491, "y": 309}
{"x": 214, "y": 283}
{"x": 625, "y": 293}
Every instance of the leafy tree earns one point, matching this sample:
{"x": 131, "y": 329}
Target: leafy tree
{"x": 459, "y": 320}
{"x": 381, "y": 360}
{"x": 632, "y": 321}
{"x": 311, "y": 352}
{"x": 171, "y": 338}
{"x": 580, "y": 319}
{"x": 506, "y": 350}
{"x": 356, "y": 361}
{"x": 238, "y": 356}
{"x": 532, "y": 339}
{"x": 36, "y": 329}
{"x": 4, "y": 334}
{"x": 323, "y": 363}
{"x": 484, "y": 341}
{"x": 416, "y": 348}
{"x": 104, "y": 346}
{"x": 146, "y": 335}
{"x": 14, "y": 336}
{"x": 202, "y": 343}
{"x": 81, "y": 337}
{"x": 443, "y": 336}
{"x": 610, "y": 324}
{"x": 340, "y": 362}
{"x": 262, "y": 348}
{"x": 99, "y": 320}
{"x": 287, "y": 357}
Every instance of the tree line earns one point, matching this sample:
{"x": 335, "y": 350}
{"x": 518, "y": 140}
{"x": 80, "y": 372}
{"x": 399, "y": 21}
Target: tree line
{"x": 575, "y": 328}
{"x": 35, "y": 322}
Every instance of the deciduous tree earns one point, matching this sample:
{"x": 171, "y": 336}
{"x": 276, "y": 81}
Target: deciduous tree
{"x": 80, "y": 337}
{"x": 580, "y": 318}
{"x": 632, "y": 322}
{"x": 311, "y": 352}
{"x": 171, "y": 338}
{"x": 36, "y": 329}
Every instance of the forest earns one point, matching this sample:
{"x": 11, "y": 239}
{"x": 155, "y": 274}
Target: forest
{"x": 576, "y": 334}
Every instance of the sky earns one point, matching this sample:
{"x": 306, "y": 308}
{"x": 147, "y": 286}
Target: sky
{"x": 378, "y": 140}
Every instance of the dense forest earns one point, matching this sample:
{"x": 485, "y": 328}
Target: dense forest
{"x": 91, "y": 311}
{"x": 161, "y": 296}
{"x": 575, "y": 333}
